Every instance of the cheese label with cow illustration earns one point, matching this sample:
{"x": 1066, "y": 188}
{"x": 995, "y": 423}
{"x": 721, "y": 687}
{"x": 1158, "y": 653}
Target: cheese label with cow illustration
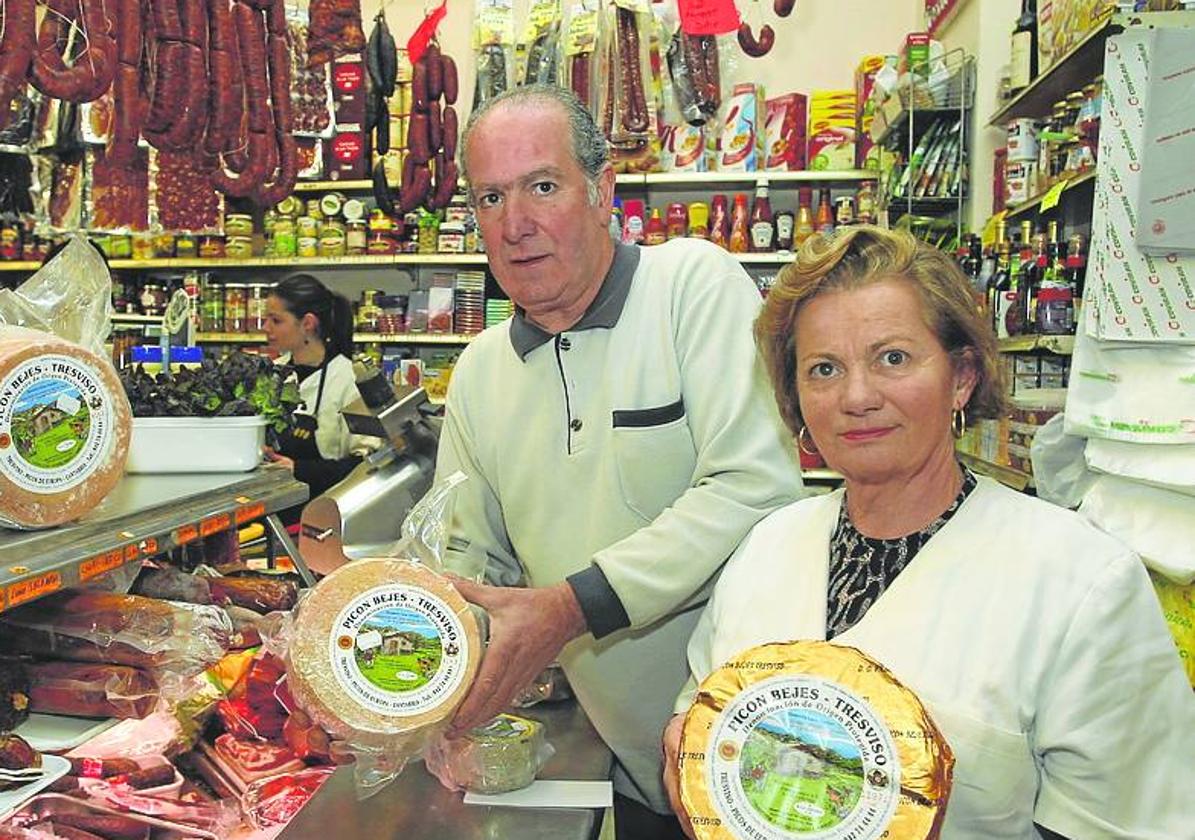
{"x": 398, "y": 650}
{"x": 56, "y": 422}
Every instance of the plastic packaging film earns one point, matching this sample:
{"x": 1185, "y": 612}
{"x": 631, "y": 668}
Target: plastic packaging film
{"x": 811, "y": 739}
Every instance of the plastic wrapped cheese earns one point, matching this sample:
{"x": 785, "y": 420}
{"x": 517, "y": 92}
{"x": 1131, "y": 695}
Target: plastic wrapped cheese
{"x": 64, "y": 429}
{"x": 382, "y": 647}
{"x": 811, "y": 739}
{"x": 501, "y": 756}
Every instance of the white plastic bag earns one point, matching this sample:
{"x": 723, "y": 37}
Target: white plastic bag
{"x": 1157, "y": 524}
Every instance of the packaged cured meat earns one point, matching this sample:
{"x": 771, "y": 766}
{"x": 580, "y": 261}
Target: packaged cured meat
{"x": 87, "y": 689}
{"x": 117, "y": 197}
{"x": 579, "y": 69}
{"x": 92, "y": 626}
{"x": 275, "y": 800}
{"x": 181, "y": 195}
{"x": 811, "y": 738}
{"x": 493, "y": 38}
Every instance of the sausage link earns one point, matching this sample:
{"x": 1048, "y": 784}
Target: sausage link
{"x": 435, "y": 127}
{"x": 221, "y": 35}
{"x": 251, "y": 43}
{"x": 128, "y": 108}
{"x": 168, "y": 20}
{"x": 435, "y": 72}
{"x": 449, "y": 129}
{"x": 419, "y": 97}
{"x": 418, "y": 139}
{"x": 288, "y": 170}
{"x": 169, "y": 77}
{"x": 128, "y": 32}
{"x": 448, "y": 79}
{"x": 634, "y": 101}
{"x": 579, "y": 78}
{"x": 17, "y": 44}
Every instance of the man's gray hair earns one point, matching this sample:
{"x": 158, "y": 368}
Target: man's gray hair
{"x": 589, "y": 147}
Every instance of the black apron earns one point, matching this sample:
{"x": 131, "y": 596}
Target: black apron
{"x": 299, "y": 442}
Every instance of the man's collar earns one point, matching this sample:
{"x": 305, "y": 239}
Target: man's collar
{"x": 605, "y": 310}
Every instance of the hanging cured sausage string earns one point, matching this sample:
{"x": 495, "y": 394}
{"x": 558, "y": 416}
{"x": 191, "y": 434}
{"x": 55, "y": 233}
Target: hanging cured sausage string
{"x": 17, "y": 42}
{"x": 280, "y": 181}
{"x": 126, "y": 86}
{"x": 90, "y": 74}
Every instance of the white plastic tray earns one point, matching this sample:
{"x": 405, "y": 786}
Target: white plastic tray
{"x": 195, "y": 444}
{"x": 55, "y": 767}
{"x": 57, "y": 733}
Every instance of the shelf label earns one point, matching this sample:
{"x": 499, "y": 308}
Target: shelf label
{"x": 102, "y": 563}
{"x": 250, "y": 512}
{"x": 149, "y": 546}
{"x": 215, "y": 524}
{"x": 1050, "y": 200}
{"x": 29, "y": 590}
{"x": 186, "y": 534}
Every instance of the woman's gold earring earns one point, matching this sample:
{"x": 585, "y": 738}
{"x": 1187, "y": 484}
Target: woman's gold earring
{"x": 958, "y": 422}
{"x": 808, "y": 450}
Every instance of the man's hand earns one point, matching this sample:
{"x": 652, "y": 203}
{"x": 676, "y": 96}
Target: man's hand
{"x": 672, "y": 735}
{"x": 528, "y": 629}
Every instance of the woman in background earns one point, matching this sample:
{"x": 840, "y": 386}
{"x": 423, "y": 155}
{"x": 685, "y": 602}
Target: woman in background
{"x": 311, "y": 327}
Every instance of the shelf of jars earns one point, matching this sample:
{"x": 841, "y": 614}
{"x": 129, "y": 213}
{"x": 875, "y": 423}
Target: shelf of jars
{"x": 750, "y": 179}
{"x": 1051, "y": 196}
{"x": 1063, "y": 345}
{"x": 359, "y": 338}
{"x": 275, "y": 262}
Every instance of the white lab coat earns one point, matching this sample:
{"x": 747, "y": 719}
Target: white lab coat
{"x": 1036, "y": 642}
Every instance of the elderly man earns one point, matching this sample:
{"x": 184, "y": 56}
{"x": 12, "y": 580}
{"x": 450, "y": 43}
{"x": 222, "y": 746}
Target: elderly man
{"x": 618, "y": 435}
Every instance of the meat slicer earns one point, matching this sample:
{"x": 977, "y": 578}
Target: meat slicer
{"x": 362, "y": 516}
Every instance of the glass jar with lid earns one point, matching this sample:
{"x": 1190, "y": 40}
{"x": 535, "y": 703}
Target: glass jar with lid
{"x": 211, "y": 307}
{"x": 356, "y": 238}
{"x": 257, "y": 296}
{"x": 235, "y": 307}
{"x": 331, "y": 239}
{"x": 368, "y": 311}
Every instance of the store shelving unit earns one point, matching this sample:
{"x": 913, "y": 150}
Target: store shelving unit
{"x": 697, "y": 180}
{"x": 145, "y": 515}
{"x": 359, "y": 338}
{"x": 1032, "y": 205}
{"x": 1079, "y": 65}
{"x": 1015, "y": 479}
{"x": 1063, "y": 345}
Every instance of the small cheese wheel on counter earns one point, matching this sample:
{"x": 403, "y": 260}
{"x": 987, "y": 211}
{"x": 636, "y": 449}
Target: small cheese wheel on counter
{"x": 382, "y": 647}
{"x": 64, "y": 429}
{"x": 811, "y": 739}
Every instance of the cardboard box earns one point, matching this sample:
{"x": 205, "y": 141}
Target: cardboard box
{"x": 1062, "y": 23}
{"x": 865, "y": 75}
{"x": 784, "y": 132}
{"x": 915, "y": 55}
{"x": 682, "y": 148}
{"x": 346, "y": 155}
{"x": 741, "y": 142}
{"x": 832, "y": 149}
{"x": 348, "y": 90}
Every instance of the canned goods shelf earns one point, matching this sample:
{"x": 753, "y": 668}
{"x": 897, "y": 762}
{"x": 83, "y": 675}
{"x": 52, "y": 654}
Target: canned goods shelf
{"x": 1032, "y": 204}
{"x": 347, "y": 186}
{"x": 412, "y": 338}
{"x": 1063, "y": 345}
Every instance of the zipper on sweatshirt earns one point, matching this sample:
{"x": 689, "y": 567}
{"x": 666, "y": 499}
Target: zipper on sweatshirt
{"x": 568, "y": 411}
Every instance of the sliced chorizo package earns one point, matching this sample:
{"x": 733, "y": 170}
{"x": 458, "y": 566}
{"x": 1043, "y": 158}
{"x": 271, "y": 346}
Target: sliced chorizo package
{"x": 382, "y": 651}
{"x": 84, "y": 625}
{"x": 65, "y": 421}
{"x": 117, "y": 196}
{"x": 181, "y": 195}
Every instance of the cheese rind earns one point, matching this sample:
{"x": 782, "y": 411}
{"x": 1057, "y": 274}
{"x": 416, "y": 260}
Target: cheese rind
{"x": 64, "y": 429}
{"x": 382, "y": 647}
{"x": 811, "y": 739}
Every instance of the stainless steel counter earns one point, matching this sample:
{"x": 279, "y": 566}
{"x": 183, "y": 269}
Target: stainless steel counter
{"x": 417, "y": 807}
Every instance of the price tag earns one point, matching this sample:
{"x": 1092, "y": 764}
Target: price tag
{"x": 1050, "y": 200}
{"x": 100, "y": 564}
{"x": 250, "y": 512}
{"x": 186, "y": 534}
{"x": 708, "y": 17}
{"x": 988, "y": 237}
{"x": 215, "y": 524}
{"x": 29, "y": 590}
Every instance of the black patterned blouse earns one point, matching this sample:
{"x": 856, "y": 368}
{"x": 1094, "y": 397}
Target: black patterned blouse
{"x": 861, "y": 568}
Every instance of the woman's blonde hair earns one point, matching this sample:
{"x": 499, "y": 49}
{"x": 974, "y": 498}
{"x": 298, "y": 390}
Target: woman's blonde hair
{"x": 856, "y": 257}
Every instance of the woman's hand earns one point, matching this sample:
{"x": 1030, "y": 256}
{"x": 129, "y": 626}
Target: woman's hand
{"x": 274, "y": 458}
{"x": 672, "y": 734}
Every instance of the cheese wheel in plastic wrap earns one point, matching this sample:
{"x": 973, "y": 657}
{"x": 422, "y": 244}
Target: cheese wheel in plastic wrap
{"x": 382, "y": 647}
{"x": 811, "y": 739}
{"x": 64, "y": 429}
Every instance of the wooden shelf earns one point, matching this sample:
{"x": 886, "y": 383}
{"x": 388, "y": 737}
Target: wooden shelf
{"x": 699, "y": 179}
{"x": 329, "y": 186}
{"x": 1015, "y": 479}
{"x": 1063, "y": 345}
{"x": 19, "y": 265}
{"x": 305, "y": 262}
{"x": 412, "y": 338}
{"x": 359, "y": 338}
{"x": 1032, "y": 204}
{"x": 1076, "y": 68}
